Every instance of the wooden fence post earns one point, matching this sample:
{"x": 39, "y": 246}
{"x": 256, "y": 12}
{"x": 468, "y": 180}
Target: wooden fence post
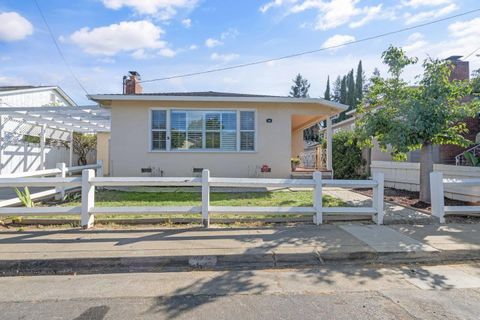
{"x": 437, "y": 195}
{"x": 60, "y": 191}
{"x": 317, "y": 198}
{"x": 88, "y": 199}
{"x": 378, "y": 192}
{"x": 205, "y": 198}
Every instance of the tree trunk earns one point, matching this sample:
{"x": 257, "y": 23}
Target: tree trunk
{"x": 426, "y": 166}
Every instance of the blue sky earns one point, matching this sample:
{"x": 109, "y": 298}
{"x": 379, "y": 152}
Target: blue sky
{"x": 103, "y": 39}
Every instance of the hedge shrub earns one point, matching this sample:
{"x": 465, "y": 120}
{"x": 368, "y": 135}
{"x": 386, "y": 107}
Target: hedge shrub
{"x": 347, "y": 159}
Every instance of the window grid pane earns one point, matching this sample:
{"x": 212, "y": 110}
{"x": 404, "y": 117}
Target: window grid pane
{"x": 203, "y": 130}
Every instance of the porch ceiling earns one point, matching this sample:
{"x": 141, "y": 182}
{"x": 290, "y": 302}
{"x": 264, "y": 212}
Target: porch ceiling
{"x": 300, "y": 122}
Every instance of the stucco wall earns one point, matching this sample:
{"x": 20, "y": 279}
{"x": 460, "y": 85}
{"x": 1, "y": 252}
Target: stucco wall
{"x": 103, "y": 140}
{"x": 297, "y": 143}
{"x": 406, "y": 176}
{"x": 129, "y": 144}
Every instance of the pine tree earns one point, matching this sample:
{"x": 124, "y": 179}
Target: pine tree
{"x": 359, "y": 83}
{"x": 337, "y": 88}
{"x": 326, "y": 95}
{"x": 300, "y": 87}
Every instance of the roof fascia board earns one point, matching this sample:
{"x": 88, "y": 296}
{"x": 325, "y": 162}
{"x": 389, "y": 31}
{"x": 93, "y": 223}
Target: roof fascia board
{"x": 102, "y": 97}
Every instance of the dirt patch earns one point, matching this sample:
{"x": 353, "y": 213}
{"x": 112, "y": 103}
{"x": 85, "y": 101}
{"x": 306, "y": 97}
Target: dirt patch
{"x": 408, "y": 198}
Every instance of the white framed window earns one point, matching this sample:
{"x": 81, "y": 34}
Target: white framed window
{"x": 202, "y": 130}
{"x": 159, "y": 130}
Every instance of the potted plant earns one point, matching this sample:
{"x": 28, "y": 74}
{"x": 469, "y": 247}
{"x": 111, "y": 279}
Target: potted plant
{"x": 294, "y": 162}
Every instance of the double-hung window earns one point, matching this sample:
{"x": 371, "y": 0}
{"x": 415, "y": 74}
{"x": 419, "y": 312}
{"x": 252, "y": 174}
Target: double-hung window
{"x": 222, "y": 130}
{"x": 159, "y": 130}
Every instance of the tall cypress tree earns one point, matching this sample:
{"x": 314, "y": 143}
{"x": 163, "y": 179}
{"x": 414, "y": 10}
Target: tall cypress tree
{"x": 351, "y": 95}
{"x": 343, "y": 90}
{"x": 359, "y": 83}
{"x": 326, "y": 95}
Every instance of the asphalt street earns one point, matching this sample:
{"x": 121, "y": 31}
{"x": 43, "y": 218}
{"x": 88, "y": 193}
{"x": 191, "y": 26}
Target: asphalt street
{"x": 342, "y": 292}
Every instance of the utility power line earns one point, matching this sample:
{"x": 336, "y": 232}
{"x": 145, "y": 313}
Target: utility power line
{"x": 312, "y": 51}
{"x": 471, "y": 53}
{"x": 58, "y": 48}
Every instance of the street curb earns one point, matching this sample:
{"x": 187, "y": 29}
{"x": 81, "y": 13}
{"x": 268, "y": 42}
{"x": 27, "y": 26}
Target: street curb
{"x": 261, "y": 260}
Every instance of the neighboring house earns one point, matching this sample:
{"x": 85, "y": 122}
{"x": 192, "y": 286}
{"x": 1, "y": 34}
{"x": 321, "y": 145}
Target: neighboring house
{"x": 16, "y": 153}
{"x": 445, "y": 154}
{"x": 233, "y": 135}
{"x": 34, "y": 96}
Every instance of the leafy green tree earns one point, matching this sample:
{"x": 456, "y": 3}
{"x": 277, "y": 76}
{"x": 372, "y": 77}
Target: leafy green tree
{"x": 476, "y": 81}
{"x": 82, "y": 145}
{"x": 326, "y": 95}
{"x": 300, "y": 87}
{"x": 408, "y": 118}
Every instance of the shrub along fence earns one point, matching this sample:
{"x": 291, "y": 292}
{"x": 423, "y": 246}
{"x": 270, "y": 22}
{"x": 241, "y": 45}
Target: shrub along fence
{"x": 88, "y": 182}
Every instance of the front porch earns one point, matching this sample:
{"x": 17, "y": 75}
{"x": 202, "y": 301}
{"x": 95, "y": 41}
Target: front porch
{"x": 312, "y": 158}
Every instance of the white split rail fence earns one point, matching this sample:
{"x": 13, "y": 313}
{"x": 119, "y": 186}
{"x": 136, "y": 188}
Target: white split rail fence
{"x": 89, "y": 182}
{"x": 60, "y": 171}
{"x": 439, "y": 209}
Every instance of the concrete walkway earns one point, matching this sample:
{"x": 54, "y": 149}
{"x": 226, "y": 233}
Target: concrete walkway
{"x": 76, "y": 250}
{"x": 394, "y": 213}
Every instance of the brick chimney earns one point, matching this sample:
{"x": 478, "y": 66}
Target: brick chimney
{"x": 460, "y": 69}
{"x": 131, "y": 83}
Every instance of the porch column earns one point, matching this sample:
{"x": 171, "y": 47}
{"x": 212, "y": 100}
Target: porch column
{"x": 329, "y": 144}
{"x": 42, "y": 148}
{"x": 2, "y": 142}
{"x": 70, "y": 146}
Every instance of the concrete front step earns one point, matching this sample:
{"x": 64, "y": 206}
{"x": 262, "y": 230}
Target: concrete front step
{"x": 309, "y": 175}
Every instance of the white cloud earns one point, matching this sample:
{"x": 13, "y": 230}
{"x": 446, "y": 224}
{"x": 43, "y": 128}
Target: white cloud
{"x": 337, "y": 41}
{"x": 162, "y": 9}
{"x": 274, "y": 3}
{"x": 412, "y": 18}
{"x": 370, "y": 13}
{"x": 211, "y": 42}
{"x": 167, "y": 52}
{"x": 11, "y": 81}
{"x": 231, "y": 33}
{"x": 224, "y": 57}
{"x": 140, "y": 54}
{"x": 333, "y": 13}
{"x": 193, "y": 47}
{"x": 187, "y": 23}
{"x": 420, "y": 3}
{"x": 126, "y": 36}
{"x": 14, "y": 27}
{"x": 415, "y": 42}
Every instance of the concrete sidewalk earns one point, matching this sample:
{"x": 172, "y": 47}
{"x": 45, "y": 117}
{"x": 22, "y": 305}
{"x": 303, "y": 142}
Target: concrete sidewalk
{"x": 64, "y": 251}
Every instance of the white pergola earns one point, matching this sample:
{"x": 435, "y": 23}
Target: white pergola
{"x": 52, "y": 122}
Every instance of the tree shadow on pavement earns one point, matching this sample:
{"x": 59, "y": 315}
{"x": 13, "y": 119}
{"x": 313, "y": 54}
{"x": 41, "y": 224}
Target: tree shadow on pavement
{"x": 205, "y": 291}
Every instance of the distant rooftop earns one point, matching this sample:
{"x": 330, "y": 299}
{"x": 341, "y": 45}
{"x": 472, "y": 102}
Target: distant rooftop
{"x": 13, "y": 88}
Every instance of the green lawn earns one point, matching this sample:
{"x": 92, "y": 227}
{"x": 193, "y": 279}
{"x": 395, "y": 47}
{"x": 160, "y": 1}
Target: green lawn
{"x": 110, "y": 198}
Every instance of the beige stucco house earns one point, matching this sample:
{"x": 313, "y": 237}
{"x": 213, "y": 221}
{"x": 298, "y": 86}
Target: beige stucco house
{"x": 233, "y": 135}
